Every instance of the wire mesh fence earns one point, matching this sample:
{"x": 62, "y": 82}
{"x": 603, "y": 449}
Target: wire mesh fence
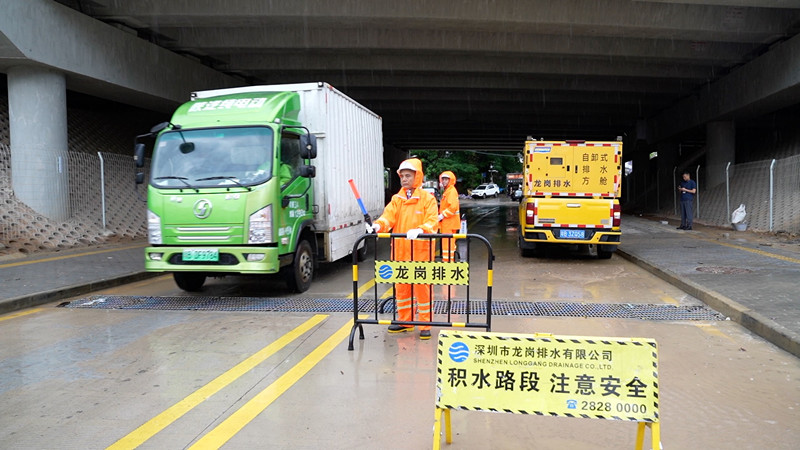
{"x": 769, "y": 189}
{"x": 103, "y": 204}
{"x": 9, "y": 226}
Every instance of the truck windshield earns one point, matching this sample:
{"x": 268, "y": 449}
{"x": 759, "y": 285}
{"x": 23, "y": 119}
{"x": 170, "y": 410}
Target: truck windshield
{"x": 213, "y": 157}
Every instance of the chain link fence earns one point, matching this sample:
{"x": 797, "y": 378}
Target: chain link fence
{"x": 9, "y": 226}
{"x": 769, "y": 189}
{"x": 103, "y": 201}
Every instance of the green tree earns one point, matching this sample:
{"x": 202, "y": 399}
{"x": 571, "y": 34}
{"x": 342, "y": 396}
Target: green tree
{"x": 471, "y": 168}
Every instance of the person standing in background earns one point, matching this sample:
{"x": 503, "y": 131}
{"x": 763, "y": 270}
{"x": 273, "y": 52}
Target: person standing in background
{"x": 449, "y": 221}
{"x": 449, "y": 214}
{"x": 688, "y": 189}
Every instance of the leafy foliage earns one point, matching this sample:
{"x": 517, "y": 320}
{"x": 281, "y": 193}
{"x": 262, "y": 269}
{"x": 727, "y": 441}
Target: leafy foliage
{"x": 471, "y": 168}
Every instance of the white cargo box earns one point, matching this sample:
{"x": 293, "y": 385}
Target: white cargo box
{"x": 349, "y": 146}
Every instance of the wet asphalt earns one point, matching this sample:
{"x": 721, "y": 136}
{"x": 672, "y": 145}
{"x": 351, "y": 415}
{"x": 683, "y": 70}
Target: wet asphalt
{"x": 751, "y": 277}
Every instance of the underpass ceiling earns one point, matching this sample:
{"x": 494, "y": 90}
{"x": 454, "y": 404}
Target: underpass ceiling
{"x": 473, "y": 74}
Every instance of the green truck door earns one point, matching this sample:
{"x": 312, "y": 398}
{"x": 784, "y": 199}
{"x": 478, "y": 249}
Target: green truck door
{"x": 296, "y": 194}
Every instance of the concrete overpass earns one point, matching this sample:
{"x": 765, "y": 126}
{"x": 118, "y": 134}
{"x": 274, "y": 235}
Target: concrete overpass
{"x": 468, "y": 75}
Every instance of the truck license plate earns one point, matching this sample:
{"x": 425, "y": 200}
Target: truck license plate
{"x": 572, "y": 234}
{"x": 201, "y": 254}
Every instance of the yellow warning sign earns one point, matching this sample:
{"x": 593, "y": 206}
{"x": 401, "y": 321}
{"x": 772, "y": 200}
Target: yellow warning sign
{"x": 422, "y": 272}
{"x": 572, "y": 376}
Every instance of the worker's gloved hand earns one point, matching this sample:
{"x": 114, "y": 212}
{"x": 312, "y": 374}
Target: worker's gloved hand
{"x": 369, "y": 228}
{"x": 413, "y": 233}
{"x": 372, "y": 228}
{"x": 441, "y": 217}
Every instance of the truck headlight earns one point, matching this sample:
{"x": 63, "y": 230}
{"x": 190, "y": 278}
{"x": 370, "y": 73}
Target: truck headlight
{"x": 153, "y": 228}
{"x": 261, "y": 226}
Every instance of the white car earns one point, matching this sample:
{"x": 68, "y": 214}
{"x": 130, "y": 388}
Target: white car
{"x": 434, "y": 192}
{"x": 486, "y": 190}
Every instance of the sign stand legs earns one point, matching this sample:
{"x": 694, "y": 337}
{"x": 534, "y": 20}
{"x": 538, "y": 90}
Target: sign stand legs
{"x": 655, "y": 435}
{"x": 437, "y": 428}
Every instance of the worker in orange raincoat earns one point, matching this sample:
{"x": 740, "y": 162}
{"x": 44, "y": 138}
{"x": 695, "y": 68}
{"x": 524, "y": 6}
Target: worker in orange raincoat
{"x": 412, "y": 211}
{"x": 449, "y": 214}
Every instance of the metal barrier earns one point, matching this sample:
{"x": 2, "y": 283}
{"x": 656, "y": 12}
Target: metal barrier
{"x": 431, "y": 271}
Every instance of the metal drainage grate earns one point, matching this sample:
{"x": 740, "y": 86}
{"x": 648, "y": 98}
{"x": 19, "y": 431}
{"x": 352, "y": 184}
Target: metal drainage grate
{"x": 214, "y": 303}
{"x": 627, "y": 311}
{"x": 459, "y": 307}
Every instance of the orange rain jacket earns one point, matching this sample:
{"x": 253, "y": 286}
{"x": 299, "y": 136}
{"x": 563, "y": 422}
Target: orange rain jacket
{"x": 451, "y": 221}
{"x": 403, "y": 214}
{"x": 448, "y": 208}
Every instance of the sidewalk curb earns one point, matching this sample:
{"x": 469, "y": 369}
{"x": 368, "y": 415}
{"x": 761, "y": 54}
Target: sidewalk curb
{"x": 753, "y": 321}
{"x": 28, "y": 301}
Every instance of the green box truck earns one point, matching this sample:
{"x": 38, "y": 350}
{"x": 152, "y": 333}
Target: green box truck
{"x": 232, "y": 189}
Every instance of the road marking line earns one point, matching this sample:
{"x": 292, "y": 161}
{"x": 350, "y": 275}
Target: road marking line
{"x": 223, "y": 432}
{"x": 713, "y": 330}
{"x": 367, "y": 286}
{"x": 756, "y": 251}
{"x": 19, "y": 314}
{"x": 77, "y": 255}
{"x": 173, "y": 413}
{"x": 364, "y": 288}
{"x": 670, "y": 300}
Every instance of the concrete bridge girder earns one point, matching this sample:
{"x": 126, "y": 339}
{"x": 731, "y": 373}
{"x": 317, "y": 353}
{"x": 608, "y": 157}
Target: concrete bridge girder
{"x": 645, "y": 56}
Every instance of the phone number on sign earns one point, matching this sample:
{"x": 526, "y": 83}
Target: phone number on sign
{"x": 630, "y": 408}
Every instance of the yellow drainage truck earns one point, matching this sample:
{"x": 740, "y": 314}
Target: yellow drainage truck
{"x": 570, "y": 195}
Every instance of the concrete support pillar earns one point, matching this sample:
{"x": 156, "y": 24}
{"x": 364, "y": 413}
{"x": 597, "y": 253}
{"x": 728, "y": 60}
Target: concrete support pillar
{"x": 37, "y": 106}
{"x": 667, "y": 176}
{"x": 634, "y": 191}
{"x": 720, "y": 150}
{"x": 667, "y": 158}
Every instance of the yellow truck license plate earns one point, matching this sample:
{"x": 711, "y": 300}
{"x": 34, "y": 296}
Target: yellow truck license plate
{"x": 572, "y": 234}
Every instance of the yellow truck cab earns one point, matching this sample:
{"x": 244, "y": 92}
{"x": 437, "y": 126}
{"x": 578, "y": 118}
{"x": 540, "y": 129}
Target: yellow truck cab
{"x": 570, "y": 195}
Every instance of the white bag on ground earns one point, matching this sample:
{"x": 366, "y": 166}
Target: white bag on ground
{"x": 738, "y": 215}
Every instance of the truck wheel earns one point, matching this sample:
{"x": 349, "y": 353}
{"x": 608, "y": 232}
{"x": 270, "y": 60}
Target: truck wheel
{"x": 525, "y": 249}
{"x": 603, "y": 254}
{"x": 189, "y": 281}
{"x": 302, "y": 269}
{"x": 362, "y": 253}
